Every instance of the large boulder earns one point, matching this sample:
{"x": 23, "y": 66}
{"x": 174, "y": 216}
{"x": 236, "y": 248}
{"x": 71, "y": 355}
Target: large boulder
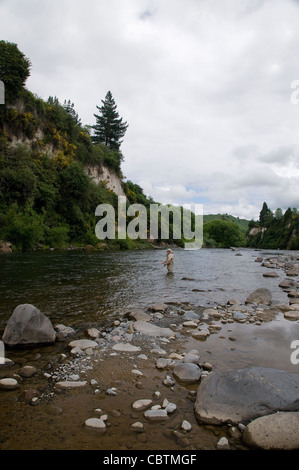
{"x": 27, "y": 325}
{"x": 260, "y": 296}
{"x": 279, "y": 431}
{"x": 235, "y": 396}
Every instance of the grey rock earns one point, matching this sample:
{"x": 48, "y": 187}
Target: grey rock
{"x": 156, "y": 415}
{"x": 83, "y": 344}
{"x": 292, "y": 315}
{"x": 190, "y": 316}
{"x": 152, "y": 330}
{"x": 27, "y": 325}
{"x": 95, "y": 423}
{"x": 239, "y": 316}
{"x": 192, "y": 357}
{"x": 137, "y": 314}
{"x": 223, "y": 443}
{"x": 159, "y": 307}
{"x": 137, "y": 427}
{"x": 259, "y": 296}
{"x": 279, "y": 431}
{"x": 234, "y": 396}
{"x": 125, "y": 347}
{"x": 63, "y": 332}
{"x": 142, "y": 404}
{"x": 187, "y": 372}
{"x": 162, "y": 363}
{"x": 186, "y": 426}
{"x": 68, "y": 384}
{"x": 8, "y": 384}
{"x": 27, "y": 371}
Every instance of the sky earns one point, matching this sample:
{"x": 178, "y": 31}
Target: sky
{"x": 209, "y": 88}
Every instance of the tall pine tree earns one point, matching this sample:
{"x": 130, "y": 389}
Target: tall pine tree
{"x": 109, "y": 128}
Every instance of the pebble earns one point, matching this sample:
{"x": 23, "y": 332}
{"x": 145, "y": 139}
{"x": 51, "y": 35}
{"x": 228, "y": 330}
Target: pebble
{"x": 8, "y": 384}
{"x": 168, "y": 381}
{"x": 223, "y": 443}
{"x": 156, "y": 415}
{"x": 27, "y": 371}
{"x": 137, "y": 427}
{"x": 125, "y": 347}
{"x": 186, "y": 426}
{"x": 111, "y": 391}
{"x": 70, "y": 384}
{"x": 170, "y": 408}
{"x": 96, "y": 423}
{"x": 162, "y": 363}
{"x": 137, "y": 372}
{"x": 142, "y": 404}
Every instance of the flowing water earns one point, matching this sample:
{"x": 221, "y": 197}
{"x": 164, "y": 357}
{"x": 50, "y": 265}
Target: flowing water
{"x": 83, "y": 289}
{"x": 87, "y": 287}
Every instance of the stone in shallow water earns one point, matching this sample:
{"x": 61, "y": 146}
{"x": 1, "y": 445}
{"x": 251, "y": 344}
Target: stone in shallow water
{"x": 83, "y": 344}
{"x": 142, "y": 404}
{"x": 152, "y": 330}
{"x": 292, "y": 315}
{"x": 187, "y": 372}
{"x": 67, "y": 384}
{"x": 8, "y": 384}
{"x": 95, "y": 423}
{"x": 234, "y": 396}
{"x": 156, "y": 415}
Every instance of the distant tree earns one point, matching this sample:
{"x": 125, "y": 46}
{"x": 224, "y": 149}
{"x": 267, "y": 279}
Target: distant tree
{"x": 265, "y": 215}
{"x": 278, "y": 213}
{"x": 14, "y": 69}
{"x": 109, "y": 128}
{"x": 70, "y": 109}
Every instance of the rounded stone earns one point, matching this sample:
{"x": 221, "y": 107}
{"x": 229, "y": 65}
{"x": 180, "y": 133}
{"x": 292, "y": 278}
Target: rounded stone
{"x": 187, "y": 372}
{"x": 8, "y": 384}
{"x": 95, "y": 423}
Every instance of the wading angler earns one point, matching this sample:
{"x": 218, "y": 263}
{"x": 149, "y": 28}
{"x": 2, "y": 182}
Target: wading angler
{"x": 162, "y": 218}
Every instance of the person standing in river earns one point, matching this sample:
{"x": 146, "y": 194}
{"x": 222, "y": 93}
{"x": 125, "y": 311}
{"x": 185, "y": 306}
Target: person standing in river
{"x": 169, "y": 261}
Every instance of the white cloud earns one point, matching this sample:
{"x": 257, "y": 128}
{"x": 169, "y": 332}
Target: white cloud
{"x": 205, "y": 87}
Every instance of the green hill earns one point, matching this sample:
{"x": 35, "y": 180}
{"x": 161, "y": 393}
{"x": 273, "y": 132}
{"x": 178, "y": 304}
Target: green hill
{"x": 241, "y": 223}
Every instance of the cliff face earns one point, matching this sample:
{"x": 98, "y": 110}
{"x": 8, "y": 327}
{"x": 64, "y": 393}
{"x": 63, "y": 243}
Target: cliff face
{"x": 107, "y": 176}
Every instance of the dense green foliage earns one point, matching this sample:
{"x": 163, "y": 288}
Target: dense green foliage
{"x": 46, "y": 196}
{"x": 275, "y": 231}
{"x": 222, "y": 234}
{"x": 241, "y": 223}
{"x": 14, "y": 69}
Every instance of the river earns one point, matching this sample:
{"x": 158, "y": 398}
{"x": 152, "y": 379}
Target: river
{"x": 88, "y": 288}
{"x": 77, "y": 287}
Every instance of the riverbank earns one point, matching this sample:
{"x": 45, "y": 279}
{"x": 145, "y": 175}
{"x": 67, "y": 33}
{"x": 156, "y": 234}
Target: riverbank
{"x": 131, "y": 386}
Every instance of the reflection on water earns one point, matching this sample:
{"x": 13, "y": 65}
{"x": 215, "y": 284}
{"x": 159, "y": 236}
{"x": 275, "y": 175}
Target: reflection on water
{"x": 85, "y": 287}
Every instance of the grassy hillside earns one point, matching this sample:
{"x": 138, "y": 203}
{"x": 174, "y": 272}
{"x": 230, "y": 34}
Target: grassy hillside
{"x": 241, "y": 223}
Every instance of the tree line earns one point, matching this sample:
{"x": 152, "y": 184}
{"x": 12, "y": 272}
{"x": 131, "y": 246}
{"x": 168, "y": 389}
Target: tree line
{"x": 274, "y": 230}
